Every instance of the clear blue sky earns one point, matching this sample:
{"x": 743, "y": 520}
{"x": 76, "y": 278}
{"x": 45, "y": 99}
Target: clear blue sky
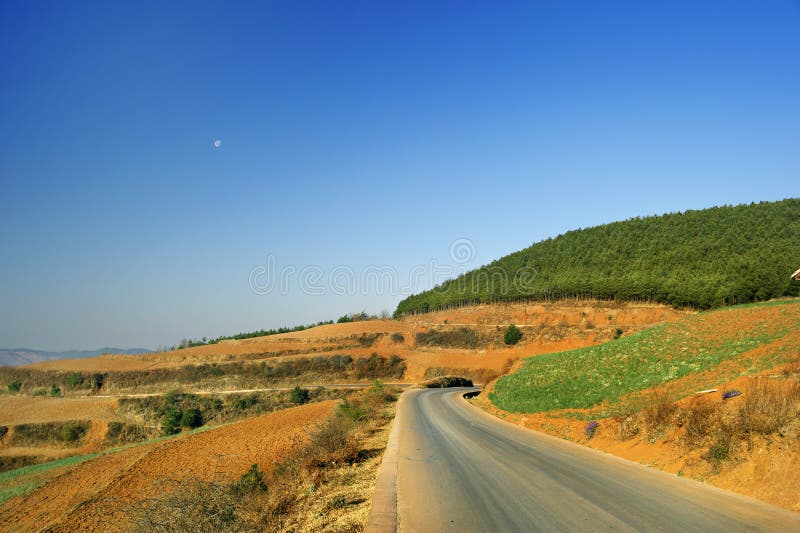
{"x": 355, "y": 134}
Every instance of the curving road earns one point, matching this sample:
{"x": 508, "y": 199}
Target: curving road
{"x": 460, "y": 469}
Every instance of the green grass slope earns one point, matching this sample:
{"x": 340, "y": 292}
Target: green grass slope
{"x": 707, "y": 258}
{"x": 696, "y": 352}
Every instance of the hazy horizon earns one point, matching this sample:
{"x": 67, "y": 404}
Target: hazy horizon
{"x": 357, "y": 143}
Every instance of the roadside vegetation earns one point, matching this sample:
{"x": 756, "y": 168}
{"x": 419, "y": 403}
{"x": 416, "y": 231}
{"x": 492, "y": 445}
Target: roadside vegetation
{"x": 326, "y": 485}
{"x": 711, "y": 393}
{"x": 704, "y": 259}
{"x": 714, "y": 345}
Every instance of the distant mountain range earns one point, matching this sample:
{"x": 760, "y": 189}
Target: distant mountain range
{"x": 26, "y": 356}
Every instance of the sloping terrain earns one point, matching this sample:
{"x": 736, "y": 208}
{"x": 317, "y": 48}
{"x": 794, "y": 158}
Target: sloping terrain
{"x": 706, "y": 258}
{"x": 92, "y": 495}
{"x": 713, "y": 396}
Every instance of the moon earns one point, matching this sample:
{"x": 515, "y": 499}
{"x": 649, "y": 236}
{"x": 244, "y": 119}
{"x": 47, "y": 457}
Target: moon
{"x": 217, "y": 143}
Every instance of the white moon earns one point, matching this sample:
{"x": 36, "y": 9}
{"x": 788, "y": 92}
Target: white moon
{"x": 217, "y": 143}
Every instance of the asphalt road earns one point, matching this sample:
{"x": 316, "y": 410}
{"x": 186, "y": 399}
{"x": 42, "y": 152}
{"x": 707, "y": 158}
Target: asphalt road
{"x": 460, "y": 469}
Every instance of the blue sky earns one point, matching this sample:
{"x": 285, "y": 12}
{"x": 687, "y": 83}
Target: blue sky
{"x": 355, "y": 134}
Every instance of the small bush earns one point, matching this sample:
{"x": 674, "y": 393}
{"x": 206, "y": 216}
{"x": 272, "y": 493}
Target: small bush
{"x": 617, "y": 333}
{"x": 697, "y": 419}
{"x": 243, "y": 403}
{"x": 191, "y": 418}
{"x": 72, "y": 431}
{"x": 512, "y": 335}
{"x": 718, "y": 452}
{"x": 352, "y": 411}
{"x": 339, "y": 502}
{"x": 172, "y": 420}
{"x": 55, "y": 390}
{"x": 251, "y": 481}
{"x": 74, "y": 380}
{"x": 591, "y": 429}
{"x": 457, "y": 338}
{"x": 375, "y": 366}
{"x": 769, "y": 405}
{"x": 40, "y": 391}
{"x": 300, "y": 396}
{"x": 14, "y": 386}
{"x": 121, "y": 433}
{"x": 97, "y": 381}
{"x": 398, "y": 338}
{"x": 658, "y": 413}
{"x": 3, "y": 431}
{"x": 333, "y": 441}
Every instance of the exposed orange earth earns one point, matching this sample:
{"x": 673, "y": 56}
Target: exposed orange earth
{"x": 765, "y": 467}
{"x": 547, "y": 327}
{"x": 79, "y": 497}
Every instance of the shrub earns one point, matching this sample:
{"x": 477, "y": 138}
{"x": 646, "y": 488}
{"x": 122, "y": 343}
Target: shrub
{"x": 333, "y": 440}
{"x": 457, "y": 338}
{"x": 339, "y": 502}
{"x": 172, "y": 420}
{"x": 697, "y": 419}
{"x": 14, "y": 386}
{"x": 97, "y": 381}
{"x": 191, "y": 418}
{"x": 3, "y": 431}
{"x": 40, "y": 391}
{"x": 242, "y": 403}
{"x": 352, "y": 410}
{"x": 300, "y": 396}
{"x": 769, "y": 405}
{"x": 55, "y": 390}
{"x": 73, "y": 431}
{"x": 658, "y": 413}
{"x": 251, "y": 481}
{"x": 398, "y": 338}
{"x": 121, "y": 433}
{"x": 718, "y": 452}
{"x": 375, "y": 366}
{"x": 617, "y": 333}
{"x": 74, "y": 380}
{"x": 512, "y": 335}
{"x": 591, "y": 429}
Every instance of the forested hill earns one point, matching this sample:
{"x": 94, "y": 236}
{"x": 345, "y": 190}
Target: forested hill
{"x": 704, "y": 258}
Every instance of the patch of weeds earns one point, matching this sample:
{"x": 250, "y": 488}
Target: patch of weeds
{"x": 718, "y": 452}
{"x": 591, "y": 429}
{"x": 339, "y": 502}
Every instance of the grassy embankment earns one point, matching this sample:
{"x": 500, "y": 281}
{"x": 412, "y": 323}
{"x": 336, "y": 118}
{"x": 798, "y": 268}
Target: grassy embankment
{"x": 644, "y": 385}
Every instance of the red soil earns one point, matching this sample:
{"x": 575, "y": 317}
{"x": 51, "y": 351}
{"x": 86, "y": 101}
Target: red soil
{"x": 91, "y": 496}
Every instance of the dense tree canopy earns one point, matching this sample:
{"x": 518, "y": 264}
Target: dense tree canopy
{"x": 706, "y": 258}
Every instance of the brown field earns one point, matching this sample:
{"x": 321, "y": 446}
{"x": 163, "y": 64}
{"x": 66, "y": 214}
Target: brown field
{"x": 92, "y": 495}
{"x": 546, "y": 327}
{"x": 30, "y": 410}
{"x": 79, "y": 496}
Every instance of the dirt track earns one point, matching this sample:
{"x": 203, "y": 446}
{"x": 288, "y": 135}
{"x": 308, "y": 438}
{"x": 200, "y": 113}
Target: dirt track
{"x": 89, "y": 497}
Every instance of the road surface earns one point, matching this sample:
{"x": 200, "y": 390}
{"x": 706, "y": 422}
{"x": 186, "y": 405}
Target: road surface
{"x": 460, "y": 469}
